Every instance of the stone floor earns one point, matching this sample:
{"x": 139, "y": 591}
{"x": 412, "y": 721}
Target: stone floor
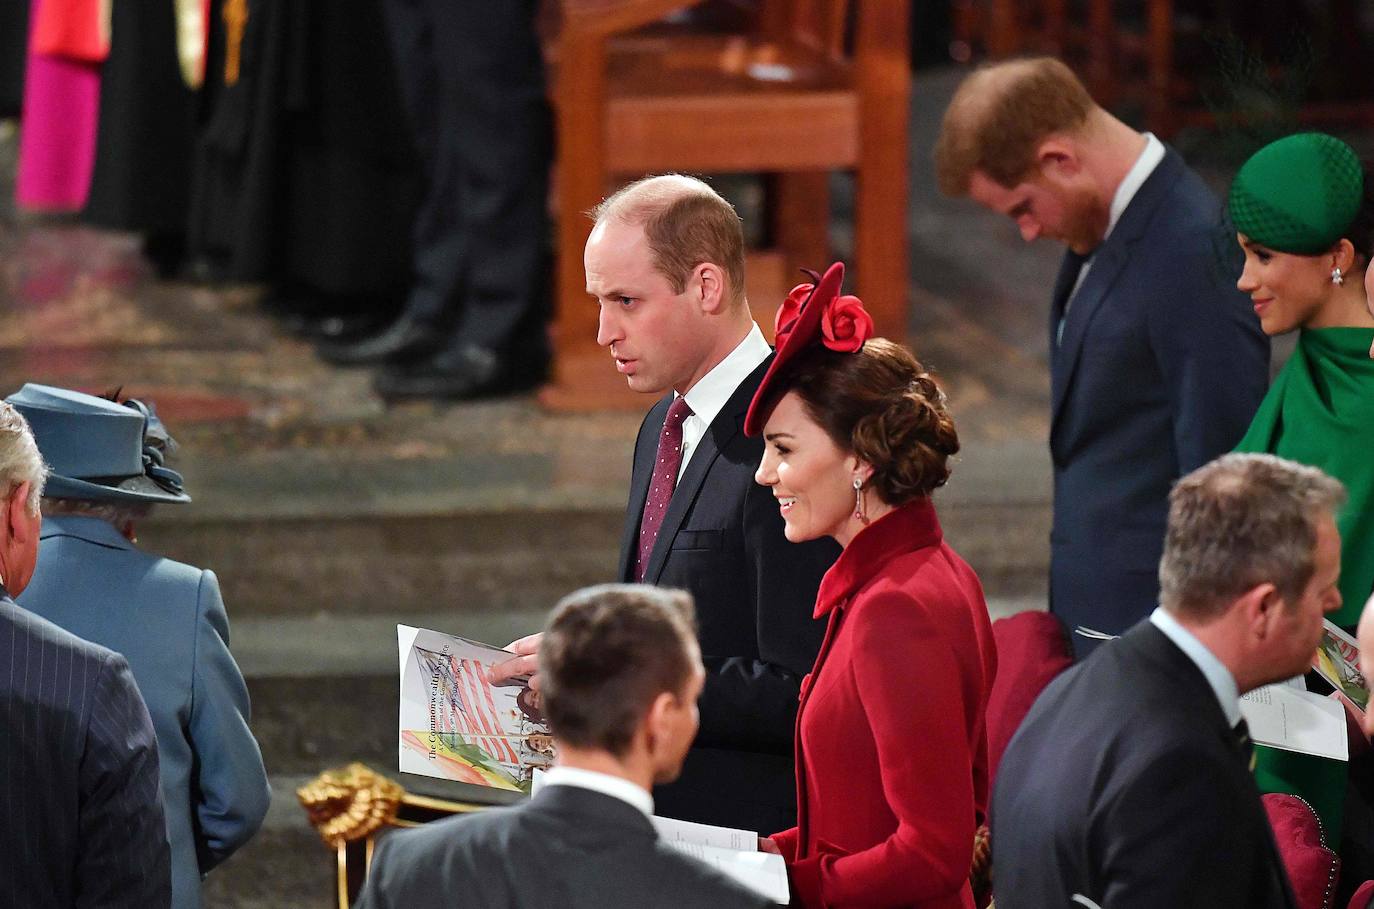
{"x": 331, "y": 517}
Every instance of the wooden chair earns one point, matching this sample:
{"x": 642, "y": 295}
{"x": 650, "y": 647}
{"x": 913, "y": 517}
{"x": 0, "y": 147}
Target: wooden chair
{"x": 1094, "y": 36}
{"x": 795, "y": 97}
{"x": 351, "y": 806}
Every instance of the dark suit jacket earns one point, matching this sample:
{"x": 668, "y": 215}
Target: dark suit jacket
{"x": 80, "y": 814}
{"x": 1161, "y": 367}
{"x": 566, "y": 847}
{"x": 722, "y": 540}
{"x": 1125, "y": 784}
{"x": 167, "y": 619}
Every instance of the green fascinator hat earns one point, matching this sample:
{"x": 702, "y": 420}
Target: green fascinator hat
{"x": 1299, "y": 194}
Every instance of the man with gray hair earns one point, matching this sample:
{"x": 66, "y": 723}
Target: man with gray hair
{"x": 81, "y": 820}
{"x": 1129, "y": 784}
{"x": 166, "y": 618}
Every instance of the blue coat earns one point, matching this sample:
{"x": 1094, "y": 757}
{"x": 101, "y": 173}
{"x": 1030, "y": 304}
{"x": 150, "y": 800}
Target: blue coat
{"x": 1160, "y": 369}
{"x": 168, "y": 621}
{"x": 80, "y": 817}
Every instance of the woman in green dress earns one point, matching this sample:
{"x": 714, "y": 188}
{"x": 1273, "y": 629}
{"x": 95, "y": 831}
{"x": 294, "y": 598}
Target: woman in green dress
{"x": 1303, "y": 208}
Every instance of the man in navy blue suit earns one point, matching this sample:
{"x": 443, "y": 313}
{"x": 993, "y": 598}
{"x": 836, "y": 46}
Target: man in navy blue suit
{"x": 80, "y": 814}
{"x": 1157, "y": 362}
{"x": 166, "y": 618}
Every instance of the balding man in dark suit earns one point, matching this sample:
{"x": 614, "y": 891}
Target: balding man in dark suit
{"x": 81, "y": 820}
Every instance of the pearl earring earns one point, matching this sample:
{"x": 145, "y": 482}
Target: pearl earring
{"x": 860, "y": 513}
{"x": 1336, "y": 277}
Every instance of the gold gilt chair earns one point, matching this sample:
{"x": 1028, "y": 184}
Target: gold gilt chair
{"x": 350, "y": 806}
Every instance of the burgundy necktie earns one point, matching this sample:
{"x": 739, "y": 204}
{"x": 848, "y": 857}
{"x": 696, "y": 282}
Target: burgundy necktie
{"x": 666, "y": 464}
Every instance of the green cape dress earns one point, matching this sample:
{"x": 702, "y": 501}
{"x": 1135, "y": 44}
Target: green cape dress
{"x": 1320, "y": 411}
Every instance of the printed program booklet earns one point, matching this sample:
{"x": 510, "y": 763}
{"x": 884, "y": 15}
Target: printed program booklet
{"x": 1292, "y": 719}
{"x": 1338, "y": 661}
{"x": 456, "y": 725}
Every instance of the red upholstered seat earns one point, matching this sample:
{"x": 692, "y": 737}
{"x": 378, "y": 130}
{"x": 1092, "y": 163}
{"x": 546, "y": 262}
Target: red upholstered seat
{"x": 1032, "y": 648}
{"x": 1313, "y": 868}
{"x": 1364, "y": 897}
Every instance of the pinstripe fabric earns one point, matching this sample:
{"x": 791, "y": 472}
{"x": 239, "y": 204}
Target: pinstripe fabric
{"x": 168, "y": 620}
{"x": 80, "y": 814}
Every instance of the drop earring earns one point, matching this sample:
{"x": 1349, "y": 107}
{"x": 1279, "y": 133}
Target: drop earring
{"x": 860, "y": 513}
{"x": 1336, "y": 277}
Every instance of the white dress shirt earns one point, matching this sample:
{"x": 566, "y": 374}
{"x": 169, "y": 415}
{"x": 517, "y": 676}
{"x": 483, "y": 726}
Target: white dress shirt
{"x": 1218, "y": 676}
{"x": 712, "y": 390}
{"x": 1149, "y": 159}
{"x": 614, "y": 786}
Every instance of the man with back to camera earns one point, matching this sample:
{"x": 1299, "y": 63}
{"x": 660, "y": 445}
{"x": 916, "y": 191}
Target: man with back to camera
{"x": 665, "y": 264}
{"x": 81, "y": 819}
{"x": 1157, "y": 363}
{"x": 166, "y": 618}
{"x": 1129, "y": 784}
{"x": 621, "y": 674}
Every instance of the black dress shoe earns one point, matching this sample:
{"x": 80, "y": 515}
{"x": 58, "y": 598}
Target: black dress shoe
{"x": 406, "y": 337}
{"x": 466, "y": 373}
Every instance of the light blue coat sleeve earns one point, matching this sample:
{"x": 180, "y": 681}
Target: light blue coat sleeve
{"x": 229, "y": 788}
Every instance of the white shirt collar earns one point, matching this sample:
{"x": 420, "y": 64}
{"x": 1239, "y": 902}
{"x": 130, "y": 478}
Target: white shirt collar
{"x": 614, "y": 786}
{"x": 1218, "y": 676}
{"x": 1135, "y": 178}
{"x": 713, "y": 390}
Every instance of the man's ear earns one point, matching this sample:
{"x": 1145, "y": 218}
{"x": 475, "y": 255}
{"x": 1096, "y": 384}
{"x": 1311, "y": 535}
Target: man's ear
{"x": 1261, "y": 606}
{"x": 1057, "y": 158}
{"x": 16, "y": 511}
{"x": 710, "y": 285}
{"x": 658, "y": 727}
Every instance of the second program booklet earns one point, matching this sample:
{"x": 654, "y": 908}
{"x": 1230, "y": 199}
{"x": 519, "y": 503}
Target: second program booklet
{"x": 456, "y": 725}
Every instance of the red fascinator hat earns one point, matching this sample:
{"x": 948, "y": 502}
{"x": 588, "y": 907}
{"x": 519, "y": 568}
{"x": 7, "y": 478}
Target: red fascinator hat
{"x": 812, "y": 314}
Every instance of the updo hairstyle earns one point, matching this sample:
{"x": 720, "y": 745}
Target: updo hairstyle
{"x": 882, "y": 405}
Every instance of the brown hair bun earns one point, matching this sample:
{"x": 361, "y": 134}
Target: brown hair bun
{"x": 882, "y": 405}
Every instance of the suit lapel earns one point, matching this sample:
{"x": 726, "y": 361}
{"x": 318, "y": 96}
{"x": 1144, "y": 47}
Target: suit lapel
{"x": 1155, "y": 644}
{"x": 723, "y": 429}
{"x": 1107, "y": 264}
{"x": 640, "y": 475}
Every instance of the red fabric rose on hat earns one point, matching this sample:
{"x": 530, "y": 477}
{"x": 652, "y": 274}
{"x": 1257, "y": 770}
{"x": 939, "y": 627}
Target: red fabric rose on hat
{"x": 787, "y": 314}
{"x": 845, "y": 325}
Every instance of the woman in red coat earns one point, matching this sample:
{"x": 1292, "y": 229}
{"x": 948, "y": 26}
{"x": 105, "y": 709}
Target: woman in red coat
{"x": 892, "y": 778}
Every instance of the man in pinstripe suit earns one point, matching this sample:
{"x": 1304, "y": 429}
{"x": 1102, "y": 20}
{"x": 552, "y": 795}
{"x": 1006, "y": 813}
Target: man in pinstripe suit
{"x": 81, "y": 820}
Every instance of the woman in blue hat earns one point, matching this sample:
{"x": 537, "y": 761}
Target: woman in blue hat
{"x": 106, "y": 471}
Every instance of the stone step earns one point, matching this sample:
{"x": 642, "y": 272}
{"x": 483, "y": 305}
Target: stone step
{"x": 285, "y": 866}
{"x": 303, "y": 536}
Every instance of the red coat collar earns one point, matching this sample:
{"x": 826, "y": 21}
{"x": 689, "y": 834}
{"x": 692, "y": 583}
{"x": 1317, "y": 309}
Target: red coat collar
{"x": 906, "y": 529}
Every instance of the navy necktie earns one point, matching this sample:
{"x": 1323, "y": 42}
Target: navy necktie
{"x": 666, "y": 464}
